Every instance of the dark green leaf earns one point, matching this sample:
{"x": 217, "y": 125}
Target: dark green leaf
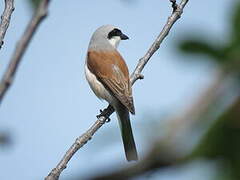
{"x": 200, "y": 47}
{"x": 34, "y": 3}
{"x": 236, "y": 23}
{"x": 221, "y": 142}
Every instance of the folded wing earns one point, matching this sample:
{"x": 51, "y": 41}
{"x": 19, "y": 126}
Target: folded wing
{"x": 112, "y": 71}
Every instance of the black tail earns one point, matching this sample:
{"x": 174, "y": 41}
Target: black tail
{"x": 126, "y": 132}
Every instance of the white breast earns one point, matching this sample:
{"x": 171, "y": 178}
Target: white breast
{"x": 97, "y": 87}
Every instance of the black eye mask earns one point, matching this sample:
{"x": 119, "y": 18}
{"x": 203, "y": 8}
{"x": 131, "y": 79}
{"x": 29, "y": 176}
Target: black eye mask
{"x": 114, "y": 32}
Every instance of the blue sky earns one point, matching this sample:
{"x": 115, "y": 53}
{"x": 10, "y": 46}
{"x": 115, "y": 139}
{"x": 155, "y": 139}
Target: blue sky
{"x": 50, "y": 102}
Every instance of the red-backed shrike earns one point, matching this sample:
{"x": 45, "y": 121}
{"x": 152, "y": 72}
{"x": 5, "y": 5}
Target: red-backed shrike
{"x": 108, "y": 77}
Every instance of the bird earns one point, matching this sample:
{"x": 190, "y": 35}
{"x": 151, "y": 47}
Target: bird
{"x": 108, "y": 76}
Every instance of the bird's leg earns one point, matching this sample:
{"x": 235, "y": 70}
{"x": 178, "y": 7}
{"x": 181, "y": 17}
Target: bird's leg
{"x": 106, "y": 113}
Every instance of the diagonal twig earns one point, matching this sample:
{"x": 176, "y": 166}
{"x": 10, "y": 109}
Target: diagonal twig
{"x": 83, "y": 139}
{"x": 5, "y": 19}
{"x": 21, "y": 47}
{"x": 156, "y": 44}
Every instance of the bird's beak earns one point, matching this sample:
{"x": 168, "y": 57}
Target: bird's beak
{"x": 124, "y": 37}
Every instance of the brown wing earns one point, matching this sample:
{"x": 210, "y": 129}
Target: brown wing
{"x": 111, "y": 70}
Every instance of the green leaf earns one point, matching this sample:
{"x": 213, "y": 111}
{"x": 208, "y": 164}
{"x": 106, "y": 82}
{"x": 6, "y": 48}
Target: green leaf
{"x": 34, "y": 3}
{"x": 221, "y": 141}
{"x": 236, "y": 23}
{"x": 200, "y": 47}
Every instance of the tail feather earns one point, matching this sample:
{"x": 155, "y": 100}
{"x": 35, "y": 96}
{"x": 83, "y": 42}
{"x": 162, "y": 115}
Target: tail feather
{"x": 126, "y": 132}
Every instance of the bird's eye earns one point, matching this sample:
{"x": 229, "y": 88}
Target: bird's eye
{"x": 114, "y": 32}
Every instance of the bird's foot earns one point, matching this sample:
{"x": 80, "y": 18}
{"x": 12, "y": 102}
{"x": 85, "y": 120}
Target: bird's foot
{"x": 104, "y": 113}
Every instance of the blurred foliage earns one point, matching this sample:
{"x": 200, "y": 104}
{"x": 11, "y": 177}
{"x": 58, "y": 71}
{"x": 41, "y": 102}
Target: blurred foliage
{"x": 223, "y": 55}
{"x": 34, "y": 3}
{"x": 195, "y": 46}
{"x": 236, "y": 25}
{"x": 221, "y": 141}
{"x": 5, "y": 139}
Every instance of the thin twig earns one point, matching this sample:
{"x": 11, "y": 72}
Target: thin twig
{"x": 5, "y": 19}
{"x": 79, "y": 142}
{"x": 21, "y": 47}
{"x": 83, "y": 139}
{"x": 155, "y": 46}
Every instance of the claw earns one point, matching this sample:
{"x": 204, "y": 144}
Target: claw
{"x": 174, "y": 5}
{"x": 105, "y": 114}
{"x": 108, "y": 120}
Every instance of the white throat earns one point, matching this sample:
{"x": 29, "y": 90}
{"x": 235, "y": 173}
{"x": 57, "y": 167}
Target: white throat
{"x": 114, "y": 41}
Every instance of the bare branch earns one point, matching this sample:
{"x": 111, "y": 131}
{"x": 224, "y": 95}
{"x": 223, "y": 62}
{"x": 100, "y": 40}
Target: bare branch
{"x": 155, "y": 46}
{"x": 80, "y": 141}
{"x": 83, "y": 139}
{"x": 5, "y": 19}
{"x": 21, "y": 47}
